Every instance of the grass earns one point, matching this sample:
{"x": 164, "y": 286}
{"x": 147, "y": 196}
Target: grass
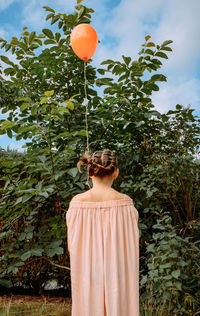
{"x": 19, "y": 305}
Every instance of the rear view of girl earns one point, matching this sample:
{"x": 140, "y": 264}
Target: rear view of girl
{"x": 103, "y": 243}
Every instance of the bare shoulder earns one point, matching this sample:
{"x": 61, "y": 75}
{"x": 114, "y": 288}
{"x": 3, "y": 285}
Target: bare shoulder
{"x": 127, "y": 196}
{"x": 107, "y": 195}
{"x": 79, "y": 197}
{"x": 119, "y": 195}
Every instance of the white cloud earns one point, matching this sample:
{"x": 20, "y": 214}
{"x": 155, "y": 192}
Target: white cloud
{"x": 16, "y": 146}
{"x": 4, "y": 4}
{"x": 181, "y": 23}
{"x": 2, "y": 33}
{"x": 184, "y": 93}
{"x": 177, "y": 20}
{"x": 34, "y": 14}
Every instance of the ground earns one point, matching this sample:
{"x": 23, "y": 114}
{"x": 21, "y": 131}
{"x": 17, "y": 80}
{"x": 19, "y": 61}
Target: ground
{"x": 34, "y": 305}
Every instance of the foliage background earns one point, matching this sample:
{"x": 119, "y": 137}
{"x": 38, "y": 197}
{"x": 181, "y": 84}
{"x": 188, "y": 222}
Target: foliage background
{"x": 158, "y": 155}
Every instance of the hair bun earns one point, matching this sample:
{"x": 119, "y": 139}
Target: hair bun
{"x": 100, "y": 163}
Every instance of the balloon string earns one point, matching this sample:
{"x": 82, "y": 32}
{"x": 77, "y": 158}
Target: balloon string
{"x": 86, "y": 105}
{"x": 86, "y": 113}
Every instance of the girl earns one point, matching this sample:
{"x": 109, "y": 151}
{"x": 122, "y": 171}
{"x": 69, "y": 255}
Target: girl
{"x": 103, "y": 243}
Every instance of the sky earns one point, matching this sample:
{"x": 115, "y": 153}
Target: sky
{"x": 121, "y": 26}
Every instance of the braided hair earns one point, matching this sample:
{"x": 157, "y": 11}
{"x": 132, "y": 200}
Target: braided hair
{"x": 100, "y": 163}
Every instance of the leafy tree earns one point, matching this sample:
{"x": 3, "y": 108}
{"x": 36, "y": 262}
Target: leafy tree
{"x": 43, "y": 98}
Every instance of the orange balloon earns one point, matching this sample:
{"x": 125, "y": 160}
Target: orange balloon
{"x": 84, "y": 41}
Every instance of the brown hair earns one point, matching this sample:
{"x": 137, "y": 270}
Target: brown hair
{"x": 100, "y": 163}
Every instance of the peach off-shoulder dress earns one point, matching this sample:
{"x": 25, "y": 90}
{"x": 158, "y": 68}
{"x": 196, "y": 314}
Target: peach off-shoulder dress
{"x": 103, "y": 243}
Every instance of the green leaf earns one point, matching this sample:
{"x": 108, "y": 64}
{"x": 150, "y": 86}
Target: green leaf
{"x": 104, "y": 81}
{"x": 41, "y": 36}
{"x": 72, "y": 172}
{"x": 3, "y": 44}
{"x": 50, "y": 252}
{"x": 22, "y": 236}
{"x": 14, "y": 41}
{"x": 31, "y": 37}
{"x": 176, "y": 273}
{"x": 45, "y": 194}
{"x": 44, "y": 108}
{"x": 36, "y": 252}
{"x": 158, "y": 77}
{"x": 58, "y": 36}
{"x": 107, "y": 61}
{"x": 169, "y": 284}
{"x": 58, "y": 175}
{"x": 6, "y": 60}
{"x": 165, "y": 265}
{"x": 64, "y": 134}
{"x": 62, "y": 109}
{"x": 9, "y": 71}
{"x": 48, "y": 33}
{"x": 141, "y": 52}
{"x": 34, "y": 109}
{"x": 156, "y": 61}
{"x": 101, "y": 71}
{"x": 150, "y": 44}
{"x": 126, "y": 60}
{"x": 49, "y": 16}
{"x": 70, "y": 105}
{"x": 166, "y": 49}
{"x": 79, "y": 1}
{"x": 26, "y": 255}
{"x": 6, "y": 283}
{"x": 48, "y": 9}
{"x": 19, "y": 264}
{"x": 178, "y": 285}
{"x": 153, "y": 86}
{"x": 161, "y": 54}
{"x": 165, "y": 43}
{"x": 59, "y": 251}
{"x": 60, "y": 24}
{"x": 167, "y": 277}
{"x": 80, "y": 133}
{"x": 12, "y": 269}
{"x": 147, "y": 37}
{"x": 25, "y": 99}
{"x": 55, "y": 243}
{"x": 44, "y": 100}
{"x": 49, "y": 41}
{"x": 49, "y": 93}
{"x": 9, "y": 133}
{"x": 7, "y": 47}
{"x": 24, "y": 106}
{"x": 149, "y": 51}
{"x": 7, "y": 124}
{"x": 123, "y": 77}
{"x": 55, "y": 19}
{"x": 19, "y": 200}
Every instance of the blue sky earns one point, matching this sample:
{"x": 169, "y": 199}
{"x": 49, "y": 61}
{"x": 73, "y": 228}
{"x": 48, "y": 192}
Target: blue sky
{"x": 121, "y": 27}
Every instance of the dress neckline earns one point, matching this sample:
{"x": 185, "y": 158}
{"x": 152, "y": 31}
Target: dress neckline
{"x": 102, "y": 204}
